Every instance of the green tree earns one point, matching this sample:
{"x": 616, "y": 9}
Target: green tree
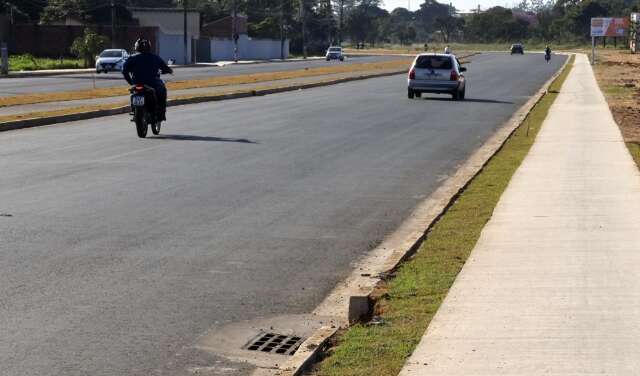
{"x": 88, "y": 46}
{"x": 21, "y": 10}
{"x": 496, "y": 24}
{"x": 427, "y": 14}
{"x": 448, "y": 26}
{"x": 57, "y": 10}
{"x": 88, "y": 11}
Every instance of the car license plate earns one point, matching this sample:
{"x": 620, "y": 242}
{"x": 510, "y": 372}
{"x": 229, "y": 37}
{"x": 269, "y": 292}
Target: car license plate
{"x": 138, "y": 100}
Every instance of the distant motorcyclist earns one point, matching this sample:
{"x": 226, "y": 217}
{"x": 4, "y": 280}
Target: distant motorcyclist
{"x": 447, "y": 50}
{"x": 144, "y": 68}
{"x": 547, "y": 53}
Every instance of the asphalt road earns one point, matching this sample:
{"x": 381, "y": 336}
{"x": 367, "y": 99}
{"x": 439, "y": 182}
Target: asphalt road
{"x": 18, "y": 86}
{"x": 118, "y": 252}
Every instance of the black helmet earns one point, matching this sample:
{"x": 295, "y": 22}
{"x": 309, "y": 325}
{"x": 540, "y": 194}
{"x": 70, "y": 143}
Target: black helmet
{"x": 142, "y": 45}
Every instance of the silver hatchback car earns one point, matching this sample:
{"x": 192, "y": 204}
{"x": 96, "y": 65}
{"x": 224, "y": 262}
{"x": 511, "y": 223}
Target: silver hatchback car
{"x": 436, "y": 73}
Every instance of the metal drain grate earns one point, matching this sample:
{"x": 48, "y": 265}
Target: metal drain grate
{"x": 274, "y": 343}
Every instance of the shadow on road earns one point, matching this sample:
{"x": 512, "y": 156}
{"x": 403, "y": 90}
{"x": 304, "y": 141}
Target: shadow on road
{"x": 89, "y": 76}
{"x": 186, "y": 137}
{"x": 472, "y": 100}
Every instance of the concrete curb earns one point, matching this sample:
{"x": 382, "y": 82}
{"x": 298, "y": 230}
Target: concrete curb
{"x": 352, "y": 300}
{"x": 37, "y": 122}
{"x": 308, "y": 352}
{"x": 47, "y": 73}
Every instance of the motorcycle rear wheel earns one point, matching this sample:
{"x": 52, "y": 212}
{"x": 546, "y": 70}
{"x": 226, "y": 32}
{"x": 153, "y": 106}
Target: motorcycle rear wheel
{"x": 141, "y": 122}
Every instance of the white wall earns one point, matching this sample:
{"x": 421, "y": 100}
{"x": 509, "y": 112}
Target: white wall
{"x": 248, "y": 49}
{"x": 171, "y": 29}
{"x": 172, "y": 47}
{"x": 169, "y": 21}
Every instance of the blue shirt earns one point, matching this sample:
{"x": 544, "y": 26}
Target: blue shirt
{"x": 144, "y": 69}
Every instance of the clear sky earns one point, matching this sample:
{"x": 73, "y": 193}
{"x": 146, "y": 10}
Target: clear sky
{"x": 463, "y": 5}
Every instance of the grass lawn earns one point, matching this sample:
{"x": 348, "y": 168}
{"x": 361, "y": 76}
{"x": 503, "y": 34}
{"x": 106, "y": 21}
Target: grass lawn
{"x": 30, "y": 63}
{"x": 411, "y": 298}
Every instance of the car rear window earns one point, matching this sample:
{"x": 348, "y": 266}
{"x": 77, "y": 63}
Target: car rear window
{"x": 434, "y": 62}
{"x": 111, "y": 54}
{"x": 335, "y": 49}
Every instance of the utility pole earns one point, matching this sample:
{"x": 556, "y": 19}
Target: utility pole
{"x": 329, "y": 23}
{"x": 281, "y": 29}
{"x": 340, "y": 16}
{"x": 113, "y": 23}
{"x": 184, "y": 4}
{"x": 234, "y": 28}
{"x": 304, "y": 29}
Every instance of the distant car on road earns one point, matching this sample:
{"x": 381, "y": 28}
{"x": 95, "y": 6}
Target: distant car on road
{"x": 436, "y": 73}
{"x": 334, "y": 53}
{"x": 111, "y": 60}
{"x": 517, "y": 48}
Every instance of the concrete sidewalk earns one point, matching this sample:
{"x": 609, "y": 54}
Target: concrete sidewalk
{"x": 553, "y": 286}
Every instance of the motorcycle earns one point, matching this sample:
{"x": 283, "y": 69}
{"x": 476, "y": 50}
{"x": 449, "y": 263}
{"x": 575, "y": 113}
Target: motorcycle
{"x": 144, "y": 109}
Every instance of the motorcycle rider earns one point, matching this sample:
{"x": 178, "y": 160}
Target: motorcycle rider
{"x": 447, "y": 50}
{"x": 143, "y": 69}
{"x": 547, "y": 53}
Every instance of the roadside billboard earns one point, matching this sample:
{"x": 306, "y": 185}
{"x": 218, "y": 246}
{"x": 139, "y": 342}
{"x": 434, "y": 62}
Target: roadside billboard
{"x": 609, "y": 27}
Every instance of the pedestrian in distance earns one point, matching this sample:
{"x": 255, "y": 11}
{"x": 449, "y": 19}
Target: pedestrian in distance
{"x": 447, "y": 50}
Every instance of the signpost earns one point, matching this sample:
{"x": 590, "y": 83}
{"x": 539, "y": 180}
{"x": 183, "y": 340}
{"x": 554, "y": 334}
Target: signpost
{"x": 607, "y": 27}
{"x": 633, "y": 32}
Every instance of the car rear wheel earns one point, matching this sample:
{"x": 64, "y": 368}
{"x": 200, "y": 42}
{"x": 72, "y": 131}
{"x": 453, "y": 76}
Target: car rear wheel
{"x": 411, "y": 94}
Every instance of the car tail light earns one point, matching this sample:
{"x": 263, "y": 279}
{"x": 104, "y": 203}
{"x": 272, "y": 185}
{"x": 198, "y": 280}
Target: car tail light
{"x": 454, "y": 75}
{"x": 412, "y": 74}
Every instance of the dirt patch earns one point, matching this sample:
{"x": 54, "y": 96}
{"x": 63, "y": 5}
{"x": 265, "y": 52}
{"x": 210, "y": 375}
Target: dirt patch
{"x": 618, "y": 73}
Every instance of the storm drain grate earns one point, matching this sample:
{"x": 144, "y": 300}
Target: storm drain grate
{"x": 274, "y": 343}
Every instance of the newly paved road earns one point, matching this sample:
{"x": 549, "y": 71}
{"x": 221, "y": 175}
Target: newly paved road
{"x": 18, "y": 86}
{"x": 116, "y": 252}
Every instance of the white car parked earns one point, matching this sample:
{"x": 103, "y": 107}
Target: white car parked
{"x": 111, "y": 60}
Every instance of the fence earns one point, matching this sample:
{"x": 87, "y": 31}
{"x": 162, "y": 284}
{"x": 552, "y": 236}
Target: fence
{"x": 56, "y": 40}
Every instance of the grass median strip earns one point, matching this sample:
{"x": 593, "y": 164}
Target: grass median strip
{"x": 202, "y": 96}
{"x": 413, "y": 295}
{"x": 204, "y": 82}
